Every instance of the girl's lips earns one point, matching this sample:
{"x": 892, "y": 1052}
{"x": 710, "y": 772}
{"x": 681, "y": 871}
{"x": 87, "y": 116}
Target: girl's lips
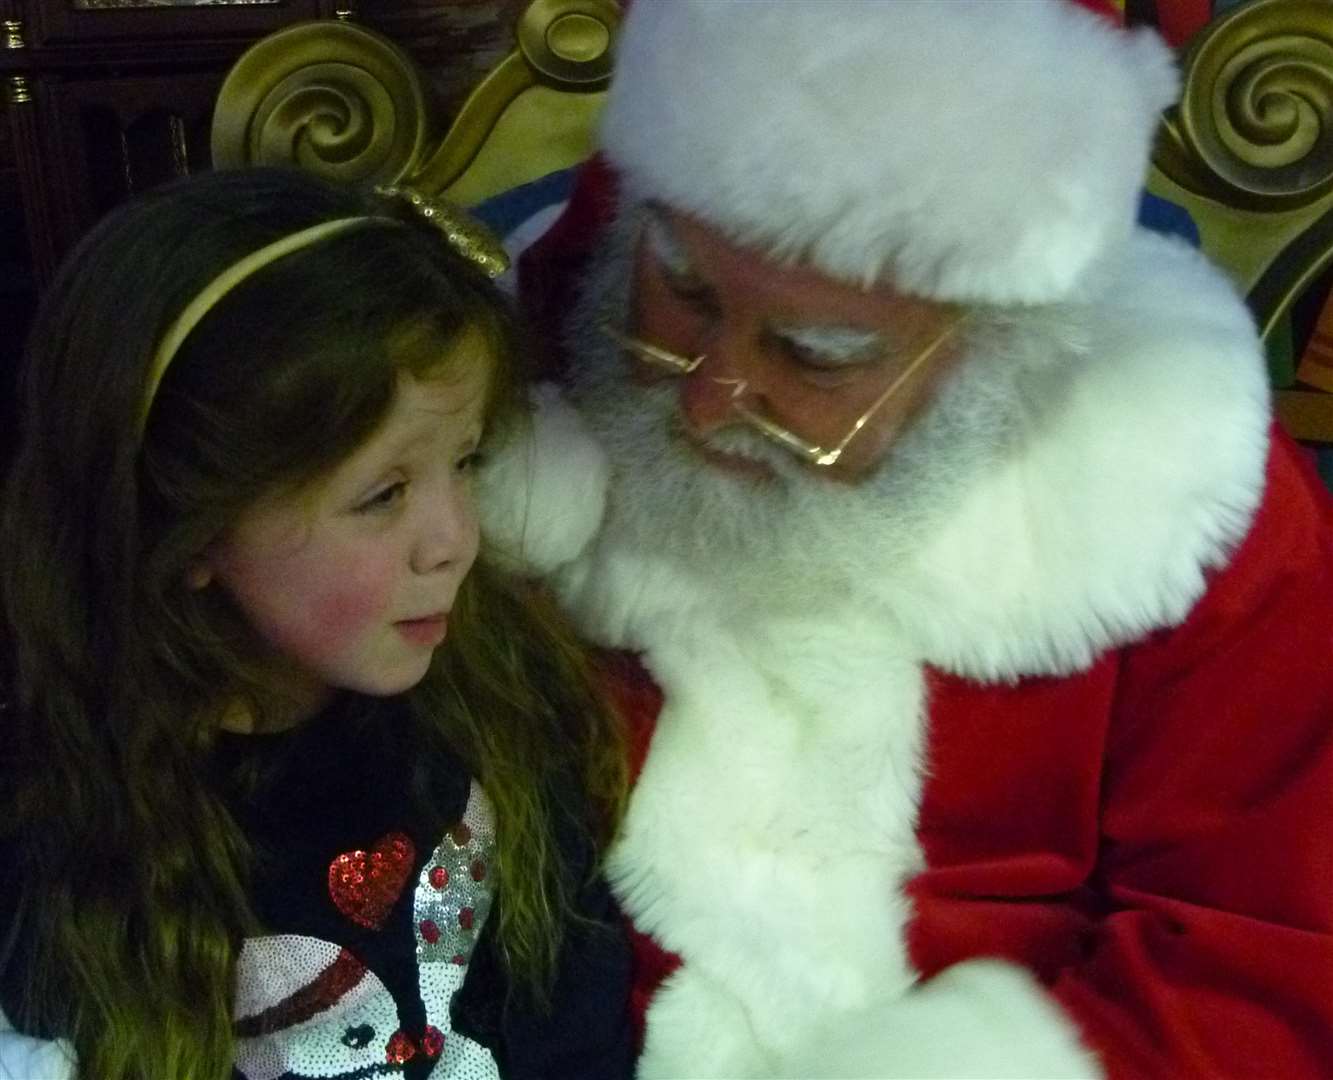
{"x": 429, "y": 631}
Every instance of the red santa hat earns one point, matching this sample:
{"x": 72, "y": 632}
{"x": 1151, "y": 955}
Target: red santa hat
{"x": 967, "y": 150}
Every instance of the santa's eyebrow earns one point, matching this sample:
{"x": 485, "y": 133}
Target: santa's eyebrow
{"x": 666, "y": 246}
{"x": 832, "y": 344}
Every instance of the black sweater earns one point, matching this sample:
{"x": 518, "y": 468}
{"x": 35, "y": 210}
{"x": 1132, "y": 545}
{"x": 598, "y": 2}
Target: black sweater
{"x": 372, "y": 880}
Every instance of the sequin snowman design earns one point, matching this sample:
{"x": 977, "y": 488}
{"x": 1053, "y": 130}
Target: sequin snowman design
{"x": 309, "y": 1008}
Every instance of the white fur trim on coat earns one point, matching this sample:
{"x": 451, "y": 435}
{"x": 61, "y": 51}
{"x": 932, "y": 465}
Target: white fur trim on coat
{"x": 966, "y": 149}
{"x": 1140, "y": 469}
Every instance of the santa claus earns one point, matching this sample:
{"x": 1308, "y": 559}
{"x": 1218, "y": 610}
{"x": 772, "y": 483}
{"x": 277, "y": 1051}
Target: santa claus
{"x": 989, "y": 622}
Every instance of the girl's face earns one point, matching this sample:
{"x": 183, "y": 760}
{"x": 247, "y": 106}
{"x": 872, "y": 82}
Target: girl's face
{"x": 350, "y": 581}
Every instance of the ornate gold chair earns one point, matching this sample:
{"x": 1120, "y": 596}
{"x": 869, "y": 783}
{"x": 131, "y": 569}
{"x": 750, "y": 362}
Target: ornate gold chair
{"x": 351, "y": 105}
{"x": 1248, "y": 152}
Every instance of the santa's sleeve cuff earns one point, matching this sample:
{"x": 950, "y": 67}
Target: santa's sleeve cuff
{"x": 980, "y": 1018}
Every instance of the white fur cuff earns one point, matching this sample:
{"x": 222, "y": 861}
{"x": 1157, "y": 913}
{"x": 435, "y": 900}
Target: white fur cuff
{"x": 982, "y": 1018}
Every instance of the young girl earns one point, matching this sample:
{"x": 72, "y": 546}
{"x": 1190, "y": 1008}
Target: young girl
{"x": 291, "y": 784}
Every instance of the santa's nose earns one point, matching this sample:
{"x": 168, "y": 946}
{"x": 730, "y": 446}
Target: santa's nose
{"x": 708, "y": 395}
{"x": 708, "y": 402}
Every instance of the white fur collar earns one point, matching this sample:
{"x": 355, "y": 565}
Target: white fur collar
{"x": 1141, "y": 472}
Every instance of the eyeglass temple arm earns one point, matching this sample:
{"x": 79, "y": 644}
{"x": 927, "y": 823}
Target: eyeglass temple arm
{"x": 647, "y": 351}
{"x": 831, "y": 456}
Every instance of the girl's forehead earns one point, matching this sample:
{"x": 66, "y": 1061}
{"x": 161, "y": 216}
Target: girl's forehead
{"x": 424, "y": 348}
{"x": 425, "y": 359}
{"x": 436, "y": 412}
{"x": 447, "y": 403}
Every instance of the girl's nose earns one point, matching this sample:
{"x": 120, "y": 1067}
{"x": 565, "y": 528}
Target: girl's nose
{"x": 447, "y": 535}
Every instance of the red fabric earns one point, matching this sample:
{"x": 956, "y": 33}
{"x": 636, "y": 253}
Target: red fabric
{"x": 550, "y": 269}
{"x": 1180, "y": 20}
{"x": 1170, "y": 867}
{"x": 1153, "y": 837}
{"x": 1104, "y": 8}
{"x": 633, "y": 694}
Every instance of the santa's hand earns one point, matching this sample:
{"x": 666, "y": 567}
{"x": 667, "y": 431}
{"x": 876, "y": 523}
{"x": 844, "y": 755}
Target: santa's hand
{"x": 542, "y": 489}
{"x": 698, "y": 1029}
{"x": 983, "y": 1018}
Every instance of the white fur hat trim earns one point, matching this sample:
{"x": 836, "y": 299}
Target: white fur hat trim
{"x": 964, "y": 149}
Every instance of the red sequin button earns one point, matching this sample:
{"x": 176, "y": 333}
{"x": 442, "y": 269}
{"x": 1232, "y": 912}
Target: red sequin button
{"x": 400, "y": 1049}
{"x": 465, "y": 918}
{"x": 429, "y": 931}
{"x": 477, "y": 869}
{"x": 461, "y": 833}
{"x": 439, "y": 877}
{"x": 432, "y": 1041}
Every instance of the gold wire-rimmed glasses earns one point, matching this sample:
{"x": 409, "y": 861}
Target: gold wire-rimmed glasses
{"x": 811, "y": 453}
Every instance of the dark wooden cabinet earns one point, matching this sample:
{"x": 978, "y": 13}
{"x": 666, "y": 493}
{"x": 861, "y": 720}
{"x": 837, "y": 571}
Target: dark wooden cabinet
{"x": 107, "y": 97}
{"x": 104, "y": 98}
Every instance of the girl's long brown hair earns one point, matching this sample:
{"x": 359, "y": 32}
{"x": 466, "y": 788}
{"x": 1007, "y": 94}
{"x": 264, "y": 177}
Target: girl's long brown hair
{"x": 130, "y": 875}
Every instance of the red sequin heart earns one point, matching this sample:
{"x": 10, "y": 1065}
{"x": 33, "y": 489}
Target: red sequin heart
{"x": 365, "y": 885}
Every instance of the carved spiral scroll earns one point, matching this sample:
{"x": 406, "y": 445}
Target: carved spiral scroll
{"x": 569, "y": 41}
{"x": 330, "y": 97}
{"x": 1255, "y": 120}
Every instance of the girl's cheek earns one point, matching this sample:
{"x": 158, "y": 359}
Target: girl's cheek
{"x": 341, "y": 614}
{"x": 347, "y": 597}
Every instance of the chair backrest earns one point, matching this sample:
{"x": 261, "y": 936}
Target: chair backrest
{"x": 1248, "y": 152}
{"x": 348, "y": 103}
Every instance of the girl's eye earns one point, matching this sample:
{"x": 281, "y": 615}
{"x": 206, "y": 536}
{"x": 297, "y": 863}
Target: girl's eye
{"x": 384, "y": 499}
{"x": 470, "y": 462}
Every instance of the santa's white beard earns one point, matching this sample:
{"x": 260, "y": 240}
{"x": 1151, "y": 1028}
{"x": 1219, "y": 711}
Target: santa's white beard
{"x": 790, "y": 537}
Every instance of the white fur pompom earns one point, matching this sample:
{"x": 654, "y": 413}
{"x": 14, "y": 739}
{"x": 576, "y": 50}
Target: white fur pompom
{"x": 541, "y": 494}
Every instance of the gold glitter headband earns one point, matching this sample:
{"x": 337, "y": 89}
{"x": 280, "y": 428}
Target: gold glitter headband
{"x": 467, "y": 237}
